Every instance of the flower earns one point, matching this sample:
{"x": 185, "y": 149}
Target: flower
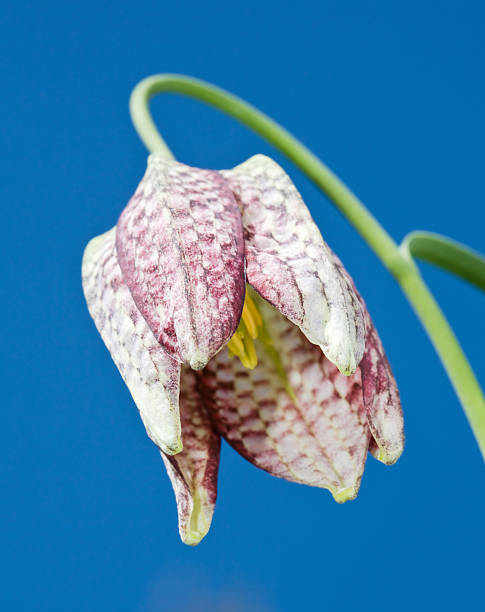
{"x": 288, "y": 368}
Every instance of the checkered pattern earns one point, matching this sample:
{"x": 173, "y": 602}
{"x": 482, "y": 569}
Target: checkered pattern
{"x": 290, "y": 265}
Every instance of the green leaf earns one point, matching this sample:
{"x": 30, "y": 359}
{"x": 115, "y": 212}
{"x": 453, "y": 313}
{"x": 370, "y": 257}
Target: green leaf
{"x": 447, "y": 254}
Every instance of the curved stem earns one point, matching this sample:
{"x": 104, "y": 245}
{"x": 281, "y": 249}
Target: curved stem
{"x": 399, "y": 264}
{"x": 142, "y": 118}
{"x": 448, "y": 254}
{"x": 323, "y": 177}
{"x": 449, "y": 350}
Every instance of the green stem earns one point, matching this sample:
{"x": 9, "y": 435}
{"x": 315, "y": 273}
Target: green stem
{"x": 302, "y": 157}
{"x": 396, "y": 260}
{"x": 449, "y": 350}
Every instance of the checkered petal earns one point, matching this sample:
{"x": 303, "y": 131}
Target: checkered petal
{"x": 290, "y": 265}
{"x": 181, "y": 251}
{"x": 193, "y": 472}
{"x": 381, "y": 399}
{"x": 295, "y": 415}
{"x": 381, "y": 395}
{"x": 151, "y": 375}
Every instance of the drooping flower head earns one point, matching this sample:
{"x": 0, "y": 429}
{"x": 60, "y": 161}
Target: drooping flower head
{"x": 228, "y": 315}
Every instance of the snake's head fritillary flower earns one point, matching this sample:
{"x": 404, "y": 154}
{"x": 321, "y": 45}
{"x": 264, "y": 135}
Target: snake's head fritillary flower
{"x": 228, "y": 315}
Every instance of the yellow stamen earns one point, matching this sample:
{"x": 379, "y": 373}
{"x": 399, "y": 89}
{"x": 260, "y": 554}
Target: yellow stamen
{"x": 235, "y": 345}
{"x": 253, "y": 309}
{"x": 250, "y": 353}
{"x": 249, "y": 321}
{"x": 246, "y": 363}
{"x": 241, "y": 344}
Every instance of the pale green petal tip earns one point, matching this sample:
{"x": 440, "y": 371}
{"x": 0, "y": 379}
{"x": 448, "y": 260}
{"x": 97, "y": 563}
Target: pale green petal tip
{"x": 347, "y": 370}
{"x": 199, "y": 522}
{"x": 174, "y": 447}
{"x": 346, "y": 365}
{"x": 388, "y": 457}
{"x": 349, "y": 366}
{"x": 343, "y": 495}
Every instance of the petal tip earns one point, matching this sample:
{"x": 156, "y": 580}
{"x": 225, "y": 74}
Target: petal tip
{"x": 173, "y": 447}
{"x": 346, "y": 363}
{"x": 198, "y": 360}
{"x": 348, "y": 368}
{"x": 389, "y": 456}
{"x": 197, "y": 527}
{"x": 346, "y": 494}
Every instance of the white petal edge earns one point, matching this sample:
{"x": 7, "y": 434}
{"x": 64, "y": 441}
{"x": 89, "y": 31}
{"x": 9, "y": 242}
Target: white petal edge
{"x": 151, "y": 375}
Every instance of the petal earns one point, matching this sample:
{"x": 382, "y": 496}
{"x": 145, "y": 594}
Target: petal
{"x": 381, "y": 395}
{"x": 295, "y": 415}
{"x": 180, "y": 247}
{"x": 193, "y": 472}
{"x": 291, "y": 266}
{"x": 381, "y": 398}
{"x": 151, "y": 375}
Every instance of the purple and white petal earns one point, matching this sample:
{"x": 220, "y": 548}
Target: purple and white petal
{"x": 381, "y": 398}
{"x": 181, "y": 251}
{"x": 381, "y": 395}
{"x": 151, "y": 375}
{"x": 295, "y": 415}
{"x": 291, "y": 266}
{"x": 193, "y": 472}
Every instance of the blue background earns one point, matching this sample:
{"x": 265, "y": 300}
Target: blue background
{"x": 391, "y": 96}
